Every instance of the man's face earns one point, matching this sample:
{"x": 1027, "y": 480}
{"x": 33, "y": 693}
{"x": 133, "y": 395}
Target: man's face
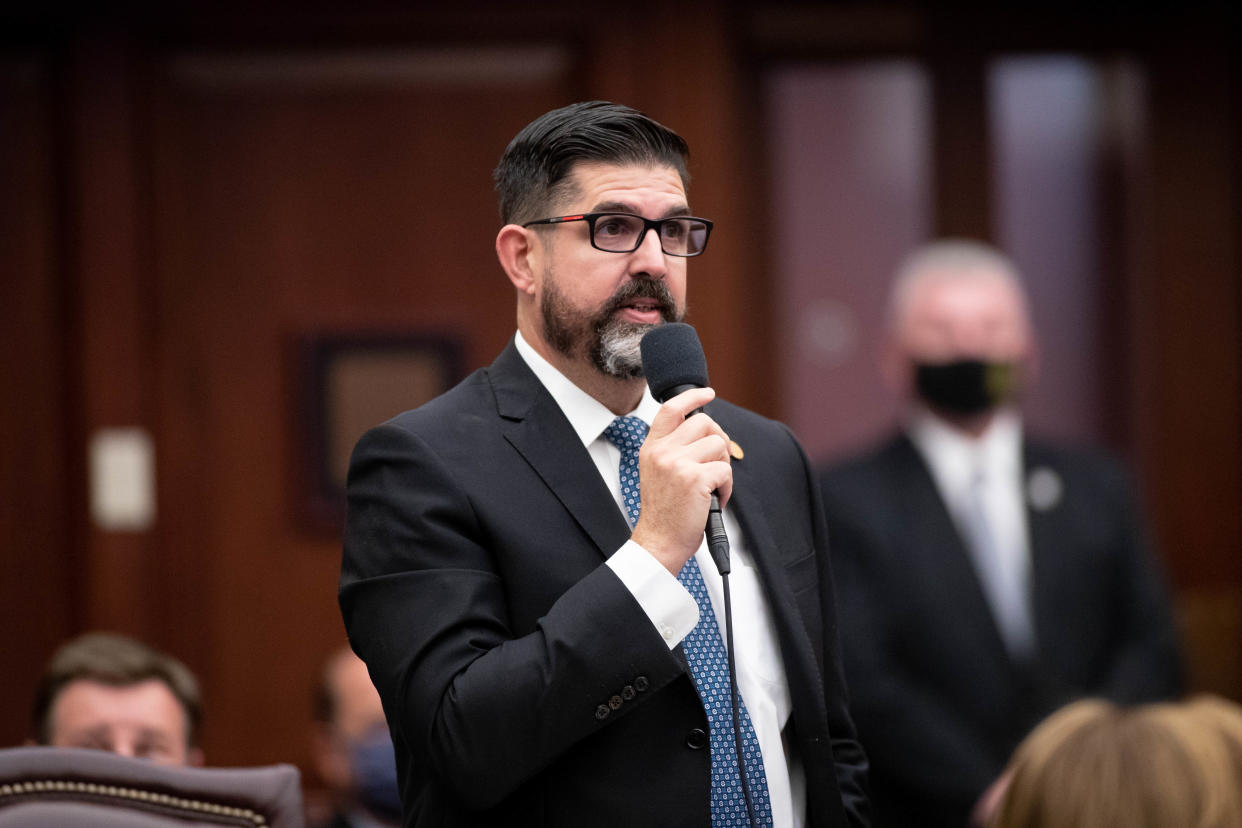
{"x": 354, "y": 752}
{"x": 359, "y": 710}
{"x": 142, "y": 720}
{"x": 950, "y": 318}
{"x": 596, "y": 305}
{"x": 358, "y": 715}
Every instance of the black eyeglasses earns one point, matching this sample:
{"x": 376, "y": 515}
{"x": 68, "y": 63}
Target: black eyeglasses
{"x": 624, "y": 232}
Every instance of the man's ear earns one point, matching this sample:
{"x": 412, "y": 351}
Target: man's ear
{"x": 516, "y": 251}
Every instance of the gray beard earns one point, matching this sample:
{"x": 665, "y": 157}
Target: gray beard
{"x": 616, "y": 351}
{"x": 611, "y": 345}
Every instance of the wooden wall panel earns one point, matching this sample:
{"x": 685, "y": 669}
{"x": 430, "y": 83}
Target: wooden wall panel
{"x": 298, "y": 195}
{"x": 695, "y": 85}
{"x": 961, "y": 143}
{"x": 37, "y": 585}
{"x": 1187, "y": 340}
{"x": 107, "y": 279}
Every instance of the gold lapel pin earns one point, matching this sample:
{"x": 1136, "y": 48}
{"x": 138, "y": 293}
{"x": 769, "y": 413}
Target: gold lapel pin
{"x": 735, "y": 451}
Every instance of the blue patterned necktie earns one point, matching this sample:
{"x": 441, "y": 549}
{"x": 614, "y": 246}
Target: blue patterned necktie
{"x": 705, "y": 650}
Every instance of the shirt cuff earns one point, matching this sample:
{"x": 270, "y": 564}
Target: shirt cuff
{"x": 669, "y": 605}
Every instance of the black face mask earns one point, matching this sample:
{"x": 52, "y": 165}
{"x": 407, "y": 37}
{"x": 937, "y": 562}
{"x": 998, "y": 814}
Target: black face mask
{"x": 967, "y": 386}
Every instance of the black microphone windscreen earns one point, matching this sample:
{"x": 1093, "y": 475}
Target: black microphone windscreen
{"x": 673, "y": 358}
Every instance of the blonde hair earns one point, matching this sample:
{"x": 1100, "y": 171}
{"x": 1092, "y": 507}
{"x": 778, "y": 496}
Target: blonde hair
{"x": 1094, "y": 764}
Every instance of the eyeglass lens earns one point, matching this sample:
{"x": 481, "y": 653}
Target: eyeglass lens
{"x": 620, "y": 233}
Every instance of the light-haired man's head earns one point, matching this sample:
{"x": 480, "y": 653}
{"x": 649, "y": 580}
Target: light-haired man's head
{"x": 113, "y": 693}
{"x": 1093, "y": 762}
{"x": 959, "y": 329}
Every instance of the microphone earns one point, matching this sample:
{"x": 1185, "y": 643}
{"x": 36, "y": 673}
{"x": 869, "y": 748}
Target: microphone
{"x": 673, "y": 362}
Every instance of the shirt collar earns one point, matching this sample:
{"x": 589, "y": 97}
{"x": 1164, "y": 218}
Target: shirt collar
{"x": 587, "y": 415}
{"x": 954, "y": 457}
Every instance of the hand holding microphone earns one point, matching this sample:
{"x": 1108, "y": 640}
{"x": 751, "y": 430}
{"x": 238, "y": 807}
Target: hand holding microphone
{"x": 676, "y": 372}
{"x": 684, "y": 463}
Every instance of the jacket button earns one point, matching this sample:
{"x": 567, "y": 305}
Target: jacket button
{"x": 615, "y": 702}
{"x": 602, "y": 711}
{"x": 696, "y": 739}
{"x": 641, "y": 684}
{"x": 627, "y": 692}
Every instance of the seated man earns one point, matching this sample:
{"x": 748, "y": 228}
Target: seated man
{"x": 113, "y": 693}
{"x": 353, "y": 750}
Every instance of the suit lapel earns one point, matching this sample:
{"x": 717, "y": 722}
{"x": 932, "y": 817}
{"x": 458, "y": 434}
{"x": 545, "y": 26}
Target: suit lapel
{"x": 935, "y": 545}
{"x": 538, "y": 430}
{"x": 1045, "y": 530}
{"x": 765, "y": 550}
{"x": 768, "y": 554}
{"x": 797, "y": 634}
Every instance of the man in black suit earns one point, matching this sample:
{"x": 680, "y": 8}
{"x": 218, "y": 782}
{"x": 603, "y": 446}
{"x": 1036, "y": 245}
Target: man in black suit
{"x": 530, "y": 647}
{"x": 984, "y": 577}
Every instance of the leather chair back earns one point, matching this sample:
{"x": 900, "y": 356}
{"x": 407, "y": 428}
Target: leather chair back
{"x": 76, "y": 788}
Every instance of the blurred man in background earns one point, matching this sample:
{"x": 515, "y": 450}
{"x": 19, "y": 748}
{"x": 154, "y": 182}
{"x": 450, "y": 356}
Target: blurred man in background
{"x": 113, "y": 693}
{"x": 985, "y": 578}
{"x": 353, "y": 751}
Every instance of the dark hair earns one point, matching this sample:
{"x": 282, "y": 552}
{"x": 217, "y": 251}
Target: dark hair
{"x": 533, "y": 172}
{"x": 120, "y": 661}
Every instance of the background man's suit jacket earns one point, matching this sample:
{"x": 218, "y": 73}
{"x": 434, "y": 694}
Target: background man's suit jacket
{"x": 938, "y": 702}
{"x": 523, "y": 683}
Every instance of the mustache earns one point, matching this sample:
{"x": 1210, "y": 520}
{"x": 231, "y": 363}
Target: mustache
{"x": 653, "y": 289}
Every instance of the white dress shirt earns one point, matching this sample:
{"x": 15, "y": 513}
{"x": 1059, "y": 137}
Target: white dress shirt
{"x": 955, "y": 459}
{"x": 673, "y": 611}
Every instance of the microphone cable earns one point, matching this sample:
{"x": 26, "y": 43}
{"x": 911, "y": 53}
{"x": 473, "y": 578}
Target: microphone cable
{"x": 718, "y": 545}
{"x": 735, "y": 697}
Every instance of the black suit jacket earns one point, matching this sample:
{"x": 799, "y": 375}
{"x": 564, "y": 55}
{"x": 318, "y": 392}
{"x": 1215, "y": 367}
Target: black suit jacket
{"x": 522, "y": 682}
{"x": 938, "y": 702}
